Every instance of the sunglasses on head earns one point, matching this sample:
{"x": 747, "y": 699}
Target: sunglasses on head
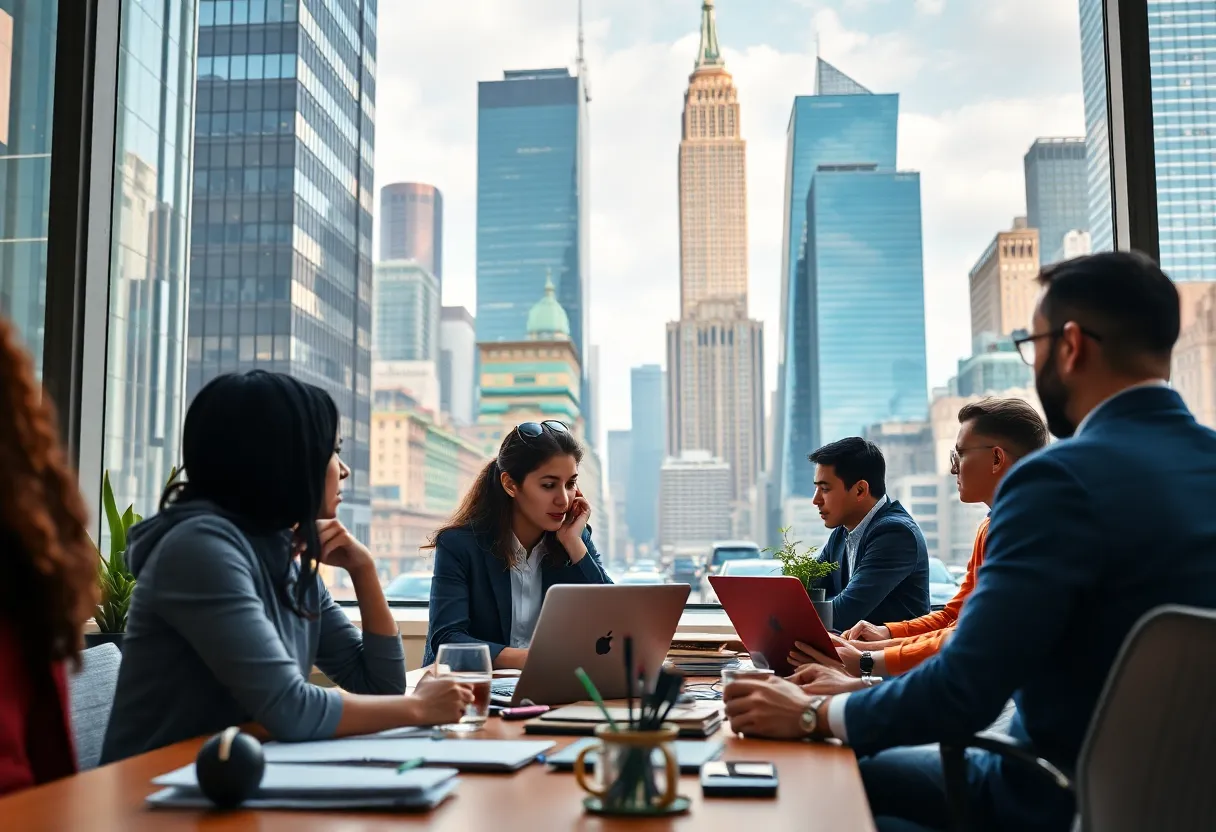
{"x": 531, "y": 430}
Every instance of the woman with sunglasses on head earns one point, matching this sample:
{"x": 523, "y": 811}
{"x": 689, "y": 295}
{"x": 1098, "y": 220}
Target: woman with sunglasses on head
{"x": 229, "y": 615}
{"x": 521, "y": 529}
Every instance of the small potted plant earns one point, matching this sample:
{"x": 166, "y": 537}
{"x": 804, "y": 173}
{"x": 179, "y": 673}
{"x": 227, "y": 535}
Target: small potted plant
{"x": 115, "y": 576}
{"x": 803, "y": 565}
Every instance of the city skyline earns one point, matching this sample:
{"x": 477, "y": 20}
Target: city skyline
{"x": 957, "y": 134}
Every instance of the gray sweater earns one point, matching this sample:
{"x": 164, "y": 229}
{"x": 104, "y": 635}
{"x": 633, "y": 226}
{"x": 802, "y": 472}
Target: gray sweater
{"x": 211, "y": 643}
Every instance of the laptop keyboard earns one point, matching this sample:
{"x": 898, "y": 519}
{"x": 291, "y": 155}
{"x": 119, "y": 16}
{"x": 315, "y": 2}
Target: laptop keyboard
{"x": 503, "y": 688}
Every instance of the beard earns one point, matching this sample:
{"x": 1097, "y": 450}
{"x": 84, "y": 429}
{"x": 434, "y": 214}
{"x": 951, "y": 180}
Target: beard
{"x": 1053, "y": 395}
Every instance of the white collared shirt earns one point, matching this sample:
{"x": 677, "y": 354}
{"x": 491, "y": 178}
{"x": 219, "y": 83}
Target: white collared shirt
{"x": 526, "y": 593}
{"x": 852, "y": 539}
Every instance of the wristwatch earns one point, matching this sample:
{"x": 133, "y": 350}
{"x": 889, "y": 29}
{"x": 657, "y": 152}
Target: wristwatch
{"x": 867, "y": 663}
{"x": 810, "y": 717}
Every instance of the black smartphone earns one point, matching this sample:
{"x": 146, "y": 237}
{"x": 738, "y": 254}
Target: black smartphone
{"x": 738, "y": 779}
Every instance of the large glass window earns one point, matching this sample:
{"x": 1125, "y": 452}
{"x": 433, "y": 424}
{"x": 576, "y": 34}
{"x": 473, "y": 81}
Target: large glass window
{"x": 27, "y": 87}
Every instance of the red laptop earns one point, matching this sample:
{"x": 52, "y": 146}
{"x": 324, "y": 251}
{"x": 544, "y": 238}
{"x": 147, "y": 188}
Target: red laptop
{"x": 770, "y": 614}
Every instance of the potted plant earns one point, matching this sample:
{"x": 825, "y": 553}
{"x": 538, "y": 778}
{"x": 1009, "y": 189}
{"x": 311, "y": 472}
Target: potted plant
{"x": 115, "y": 576}
{"x": 803, "y": 565}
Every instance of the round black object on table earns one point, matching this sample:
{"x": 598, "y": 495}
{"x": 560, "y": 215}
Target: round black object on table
{"x": 229, "y": 767}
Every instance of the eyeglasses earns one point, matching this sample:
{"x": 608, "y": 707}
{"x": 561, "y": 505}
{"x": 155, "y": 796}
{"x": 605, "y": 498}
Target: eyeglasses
{"x": 1026, "y": 344}
{"x": 956, "y": 455}
{"x": 531, "y": 430}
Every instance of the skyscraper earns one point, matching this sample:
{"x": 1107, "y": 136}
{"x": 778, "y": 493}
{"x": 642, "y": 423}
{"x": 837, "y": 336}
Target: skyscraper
{"x": 648, "y": 446}
{"x": 457, "y": 363}
{"x": 620, "y": 453}
{"x": 1182, "y": 74}
{"x": 281, "y": 267}
{"x": 406, "y": 312}
{"x": 1003, "y": 283}
{"x": 1057, "y": 192}
{"x": 847, "y": 312}
{"x": 27, "y": 39}
{"x": 411, "y": 225}
{"x": 532, "y": 191}
{"x": 146, "y": 343}
{"x": 715, "y": 353}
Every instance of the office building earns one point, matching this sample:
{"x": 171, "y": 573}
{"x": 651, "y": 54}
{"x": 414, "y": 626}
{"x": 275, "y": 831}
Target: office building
{"x": 715, "y": 353}
{"x": 842, "y": 123}
{"x": 1004, "y": 281}
{"x": 648, "y": 447}
{"x": 532, "y": 203}
{"x": 1076, "y": 244}
{"x": 27, "y": 41}
{"x": 993, "y": 367}
{"x": 1182, "y": 75}
{"x": 417, "y": 379}
{"x": 948, "y": 524}
{"x": 1057, "y": 194}
{"x": 1194, "y": 370}
{"x": 620, "y": 453}
{"x": 146, "y": 342}
{"x": 411, "y": 225}
{"x": 907, "y": 447}
{"x": 405, "y": 319}
{"x": 696, "y": 490}
{"x": 281, "y": 239}
{"x": 457, "y": 364}
{"x": 593, "y": 389}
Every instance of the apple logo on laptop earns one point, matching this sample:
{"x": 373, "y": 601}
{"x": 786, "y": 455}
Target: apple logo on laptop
{"x": 774, "y": 623}
{"x": 603, "y": 644}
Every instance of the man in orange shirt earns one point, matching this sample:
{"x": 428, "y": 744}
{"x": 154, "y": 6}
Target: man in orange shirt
{"x": 993, "y": 435}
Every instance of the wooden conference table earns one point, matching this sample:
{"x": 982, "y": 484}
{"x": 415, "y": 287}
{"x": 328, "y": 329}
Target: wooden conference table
{"x": 820, "y": 789}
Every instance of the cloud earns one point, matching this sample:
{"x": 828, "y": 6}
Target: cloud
{"x": 974, "y": 94}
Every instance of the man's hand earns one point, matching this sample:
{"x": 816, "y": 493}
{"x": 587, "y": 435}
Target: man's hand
{"x": 865, "y": 631}
{"x": 849, "y": 661}
{"x": 817, "y": 679}
{"x": 770, "y": 707}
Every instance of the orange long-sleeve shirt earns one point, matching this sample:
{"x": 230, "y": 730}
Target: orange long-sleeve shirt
{"x": 920, "y": 638}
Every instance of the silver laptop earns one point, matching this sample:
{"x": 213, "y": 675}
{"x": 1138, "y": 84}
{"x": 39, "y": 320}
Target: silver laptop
{"x": 585, "y": 626}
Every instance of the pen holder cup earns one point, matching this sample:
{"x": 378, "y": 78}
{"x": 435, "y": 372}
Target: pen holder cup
{"x": 630, "y": 777}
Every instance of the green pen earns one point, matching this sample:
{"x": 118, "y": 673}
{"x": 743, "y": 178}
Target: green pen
{"x": 410, "y": 765}
{"x": 589, "y": 686}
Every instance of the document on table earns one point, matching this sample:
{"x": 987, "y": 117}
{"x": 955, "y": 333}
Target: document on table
{"x": 462, "y": 754}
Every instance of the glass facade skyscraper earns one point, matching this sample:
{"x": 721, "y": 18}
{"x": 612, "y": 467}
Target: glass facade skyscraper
{"x": 281, "y": 265}
{"x": 842, "y": 124}
{"x": 411, "y": 225}
{"x": 1057, "y": 192}
{"x": 647, "y": 448}
{"x": 1182, "y": 71}
{"x": 27, "y": 87}
{"x": 406, "y": 312}
{"x": 146, "y": 341}
{"x": 532, "y": 202}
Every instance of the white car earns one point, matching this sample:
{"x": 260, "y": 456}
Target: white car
{"x": 409, "y": 586}
{"x": 752, "y": 567}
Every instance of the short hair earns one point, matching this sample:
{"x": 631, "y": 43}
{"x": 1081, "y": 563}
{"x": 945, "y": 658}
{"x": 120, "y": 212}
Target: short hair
{"x": 1121, "y": 296}
{"x": 855, "y": 459}
{"x": 1012, "y": 421}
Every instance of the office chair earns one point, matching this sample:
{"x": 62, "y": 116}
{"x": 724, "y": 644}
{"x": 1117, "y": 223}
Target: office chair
{"x": 1147, "y": 758}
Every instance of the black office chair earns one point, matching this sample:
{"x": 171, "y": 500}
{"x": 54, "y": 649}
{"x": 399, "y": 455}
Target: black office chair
{"x": 1150, "y": 751}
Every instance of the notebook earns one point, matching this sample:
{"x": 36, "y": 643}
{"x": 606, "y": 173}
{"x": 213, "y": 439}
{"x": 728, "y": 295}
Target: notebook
{"x": 320, "y": 787}
{"x": 695, "y": 721}
{"x": 690, "y": 754}
{"x": 463, "y": 754}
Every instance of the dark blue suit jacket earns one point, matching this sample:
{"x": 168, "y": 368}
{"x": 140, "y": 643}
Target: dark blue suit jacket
{"x": 471, "y": 590}
{"x": 890, "y": 579}
{"x": 1086, "y": 537}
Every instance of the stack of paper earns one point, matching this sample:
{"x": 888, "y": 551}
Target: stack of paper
{"x": 462, "y": 754}
{"x": 696, "y": 720}
{"x": 320, "y": 787}
{"x": 702, "y": 662}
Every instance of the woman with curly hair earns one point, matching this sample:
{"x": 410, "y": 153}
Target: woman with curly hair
{"x": 50, "y": 579}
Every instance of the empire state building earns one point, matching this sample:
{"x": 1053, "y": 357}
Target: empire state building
{"x": 715, "y": 353}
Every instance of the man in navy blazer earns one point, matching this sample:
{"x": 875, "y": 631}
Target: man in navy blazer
{"x": 1086, "y": 537}
{"x": 884, "y": 565}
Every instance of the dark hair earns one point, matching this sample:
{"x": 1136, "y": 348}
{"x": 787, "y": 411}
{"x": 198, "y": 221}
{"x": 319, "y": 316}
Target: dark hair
{"x": 1121, "y": 296}
{"x": 258, "y": 445}
{"x": 50, "y": 584}
{"x": 855, "y": 459}
{"x": 1010, "y": 420}
{"x": 489, "y": 510}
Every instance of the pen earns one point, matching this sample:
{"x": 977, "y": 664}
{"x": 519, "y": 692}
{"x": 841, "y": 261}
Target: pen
{"x": 410, "y": 765}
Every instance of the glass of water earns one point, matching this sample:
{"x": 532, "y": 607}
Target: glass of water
{"x": 468, "y": 664}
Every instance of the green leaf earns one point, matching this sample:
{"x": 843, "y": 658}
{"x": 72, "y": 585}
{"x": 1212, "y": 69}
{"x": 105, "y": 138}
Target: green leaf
{"x": 118, "y": 532}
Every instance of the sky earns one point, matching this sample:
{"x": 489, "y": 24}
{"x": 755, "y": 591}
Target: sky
{"x": 978, "y": 80}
